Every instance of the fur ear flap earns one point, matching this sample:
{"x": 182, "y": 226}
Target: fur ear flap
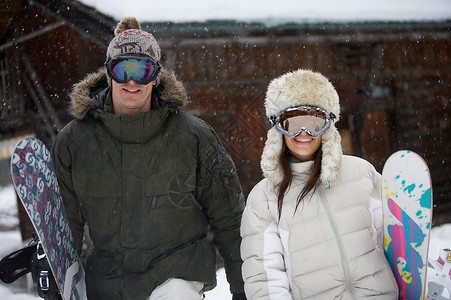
{"x": 270, "y": 157}
{"x": 332, "y": 155}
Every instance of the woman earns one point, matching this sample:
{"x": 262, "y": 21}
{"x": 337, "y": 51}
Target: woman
{"x": 311, "y": 227}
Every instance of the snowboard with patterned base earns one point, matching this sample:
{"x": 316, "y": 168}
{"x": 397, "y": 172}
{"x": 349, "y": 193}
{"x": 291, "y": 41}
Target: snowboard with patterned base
{"x": 36, "y": 184}
{"x": 407, "y": 206}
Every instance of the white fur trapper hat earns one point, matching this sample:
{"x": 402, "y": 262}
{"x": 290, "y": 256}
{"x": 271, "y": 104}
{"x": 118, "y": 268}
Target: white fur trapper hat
{"x": 302, "y": 87}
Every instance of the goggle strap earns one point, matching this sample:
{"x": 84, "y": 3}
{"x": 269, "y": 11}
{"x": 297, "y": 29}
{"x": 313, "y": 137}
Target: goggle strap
{"x": 332, "y": 117}
{"x": 273, "y": 120}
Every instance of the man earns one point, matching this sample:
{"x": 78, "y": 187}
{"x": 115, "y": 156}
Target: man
{"x": 150, "y": 181}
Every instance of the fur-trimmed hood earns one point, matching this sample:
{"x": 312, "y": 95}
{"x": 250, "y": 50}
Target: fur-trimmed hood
{"x": 84, "y": 92}
{"x": 302, "y": 87}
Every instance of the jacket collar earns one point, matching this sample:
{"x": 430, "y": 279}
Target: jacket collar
{"x": 137, "y": 128}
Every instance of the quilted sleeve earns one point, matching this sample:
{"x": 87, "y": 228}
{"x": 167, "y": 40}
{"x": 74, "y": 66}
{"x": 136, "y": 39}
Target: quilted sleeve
{"x": 63, "y": 168}
{"x": 262, "y": 252}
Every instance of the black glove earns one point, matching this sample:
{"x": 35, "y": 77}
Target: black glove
{"x": 240, "y": 296}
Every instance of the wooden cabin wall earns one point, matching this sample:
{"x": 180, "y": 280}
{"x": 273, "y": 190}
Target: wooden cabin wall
{"x": 55, "y": 59}
{"x": 43, "y": 57}
{"x": 393, "y": 82}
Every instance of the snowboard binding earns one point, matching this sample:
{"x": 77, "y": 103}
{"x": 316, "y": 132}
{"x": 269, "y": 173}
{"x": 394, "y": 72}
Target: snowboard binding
{"x": 31, "y": 259}
{"x": 17, "y": 263}
{"x": 439, "y": 276}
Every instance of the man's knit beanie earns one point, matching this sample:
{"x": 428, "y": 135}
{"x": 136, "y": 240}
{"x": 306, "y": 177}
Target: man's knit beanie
{"x": 130, "y": 40}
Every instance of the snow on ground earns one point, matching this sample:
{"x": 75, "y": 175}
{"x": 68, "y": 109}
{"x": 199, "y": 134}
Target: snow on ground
{"x": 11, "y": 241}
{"x": 8, "y": 209}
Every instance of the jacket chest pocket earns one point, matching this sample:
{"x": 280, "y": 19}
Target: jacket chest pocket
{"x": 99, "y": 196}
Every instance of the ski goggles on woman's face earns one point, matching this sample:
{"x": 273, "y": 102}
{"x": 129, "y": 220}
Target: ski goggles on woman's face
{"x": 292, "y": 121}
{"x": 125, "y": 68}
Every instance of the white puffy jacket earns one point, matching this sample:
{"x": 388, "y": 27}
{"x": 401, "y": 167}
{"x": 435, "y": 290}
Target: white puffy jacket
{"x": 327, "y": 248}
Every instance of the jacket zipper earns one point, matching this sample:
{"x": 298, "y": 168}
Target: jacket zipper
{"x": 341, "y": 249}
{"x": 154, "y": 201}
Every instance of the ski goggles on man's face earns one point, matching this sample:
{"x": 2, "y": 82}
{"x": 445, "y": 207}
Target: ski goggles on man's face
{"x": 125, "y": 68}
{"x": 292, "y": 121}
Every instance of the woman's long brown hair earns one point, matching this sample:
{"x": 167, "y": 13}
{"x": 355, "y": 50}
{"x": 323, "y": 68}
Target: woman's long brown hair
{"x": 311, "y": 183}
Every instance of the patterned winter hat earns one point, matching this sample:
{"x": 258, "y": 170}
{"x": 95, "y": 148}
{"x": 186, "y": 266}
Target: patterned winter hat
{"x": 302, "y": 87}
{"x": 131, "y": 40}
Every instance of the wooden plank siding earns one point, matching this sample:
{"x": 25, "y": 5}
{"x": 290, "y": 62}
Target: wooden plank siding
{"x": 393, "y": 80}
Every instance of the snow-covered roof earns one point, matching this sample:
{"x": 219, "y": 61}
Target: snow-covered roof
{"x": 274, "y": 12}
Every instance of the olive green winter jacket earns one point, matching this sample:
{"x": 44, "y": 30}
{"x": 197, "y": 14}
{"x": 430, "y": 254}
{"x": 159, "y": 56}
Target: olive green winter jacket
{"x": 150, "y": 186}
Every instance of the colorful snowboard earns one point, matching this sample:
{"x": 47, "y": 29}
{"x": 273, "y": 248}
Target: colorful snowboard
{"x": 35, "y": 181}
{"x": 407, "y": 206}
